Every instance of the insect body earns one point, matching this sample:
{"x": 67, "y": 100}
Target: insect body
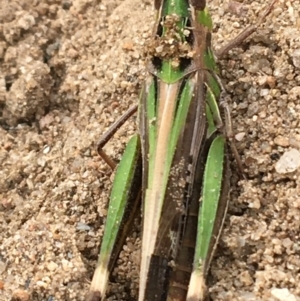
{"x": 177, "y": 117}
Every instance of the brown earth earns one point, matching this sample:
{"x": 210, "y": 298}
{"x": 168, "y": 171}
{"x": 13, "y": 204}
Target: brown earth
{"x": 68, "y": 69}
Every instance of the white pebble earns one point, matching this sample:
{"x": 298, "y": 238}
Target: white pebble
{"x": 240, "y": 136}
{"x": 288, "y": 162}
{"x": 283, "y": 294}
{"x": 52, "y": 266}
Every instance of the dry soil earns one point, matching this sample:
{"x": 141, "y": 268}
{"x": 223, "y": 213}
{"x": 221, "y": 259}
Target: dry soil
{"x": 68, "y": 69}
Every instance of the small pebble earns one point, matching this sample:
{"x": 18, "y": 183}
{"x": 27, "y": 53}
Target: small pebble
{"x": 52, "y": 266}
{"x": 21, "y": 295}
{"x": 46, "y": 150}
{"x": 288, "y": 162}
{"x": 83, "y": 227}
{"x": 253, "y": 109}
{"x": 281, "y": 141}
{"x": 294, "y": 93}
{"x": 240, "y": 136}
{"x": 41, "y": 284}
{"x": 283, "y": 294}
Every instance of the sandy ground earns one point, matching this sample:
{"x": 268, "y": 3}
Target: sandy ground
{"x": 68, "y": 69}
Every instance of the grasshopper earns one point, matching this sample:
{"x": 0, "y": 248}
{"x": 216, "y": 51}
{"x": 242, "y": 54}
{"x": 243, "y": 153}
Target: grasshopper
{"x": 178, "y": 163}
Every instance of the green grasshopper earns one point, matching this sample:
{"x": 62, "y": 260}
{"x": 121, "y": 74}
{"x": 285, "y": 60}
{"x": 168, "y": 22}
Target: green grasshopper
{"x": 177, "y": 164}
